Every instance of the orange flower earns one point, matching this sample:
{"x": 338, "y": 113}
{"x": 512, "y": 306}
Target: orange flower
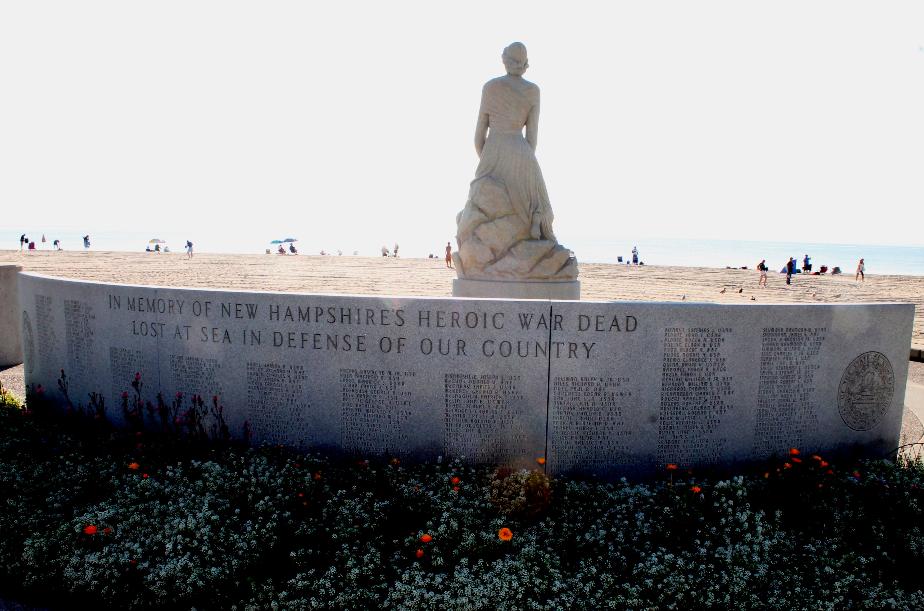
{"x": 816, "y": 457}
{"x": 144, "y": 475}
{"x": 671, "y": 466}
{"x": 455, "y": 481}
{"x": 134, "y": 466}
{"x": 419, "y": 553}
{"x": 455, "y": 488}
{"x": 541, "y": 460}
{"x": 796, "y": 459}
{"x": 89, "y": 530}
{"x": 786, "y": 465}
{"x": 794, "y": 451}
{"x": 767, "y": 475}
{"x": 829, "y": 472}
{"x": 426, "y": 538}
{"x": 317, "y": 476}
{"x": 395, "y": 461}
{"x": 696, "y": 489}
{"x": 505, "y": 534}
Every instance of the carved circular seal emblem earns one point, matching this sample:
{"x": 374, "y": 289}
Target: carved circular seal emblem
{"x": 866, "y": 390}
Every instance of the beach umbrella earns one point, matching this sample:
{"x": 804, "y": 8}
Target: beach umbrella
{"x": 276, "y": 242}
{"x": 156, "y": 241}
{"x": 291, "y": 240}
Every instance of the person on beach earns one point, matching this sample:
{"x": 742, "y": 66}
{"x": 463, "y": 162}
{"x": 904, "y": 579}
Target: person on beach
{"x": 861, "y": 267}
{"x": 384, "y": 251}
{"x": 292, "y": 248}
{"x": 449, "y": 255}
{"x": 23, "y": 241}
{"x": 86, "y": 242}
{"x": 56, "y": 244}
{"x": 807, "y": 264}
{"x": 635, "y": 255}
{"x": 762, "y": 268}
{"x": 189, "y": 247}
{"x": 790, "y": 268}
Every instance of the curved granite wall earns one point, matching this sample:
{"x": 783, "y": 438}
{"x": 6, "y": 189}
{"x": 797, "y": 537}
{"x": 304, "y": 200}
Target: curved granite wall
{"x": 604, "y": 388}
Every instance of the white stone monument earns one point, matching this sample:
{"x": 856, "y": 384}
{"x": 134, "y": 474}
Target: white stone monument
{"x": 506, "y": 246}
{"x": 608, "y": 389}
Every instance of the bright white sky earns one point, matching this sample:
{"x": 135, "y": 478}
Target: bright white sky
{"x": 353, "y": 121}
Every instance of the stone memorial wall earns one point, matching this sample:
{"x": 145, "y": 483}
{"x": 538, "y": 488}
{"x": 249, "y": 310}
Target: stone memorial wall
{"x": 608, "y": 389}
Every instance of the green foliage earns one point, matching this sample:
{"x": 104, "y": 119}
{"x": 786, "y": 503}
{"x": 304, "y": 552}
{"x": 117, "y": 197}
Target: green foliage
{"x": 97, "y": 518}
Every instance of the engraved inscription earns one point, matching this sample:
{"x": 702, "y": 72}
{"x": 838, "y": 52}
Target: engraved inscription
{"x": 485, "y": 419}
{"x": 47, "y": 337}
{"x": 866, "y": 391}
{"x": 786, "y": 403}
{"x": 589, "y": 422}
{"x": 375, "y": 409}
{"x": 79, "y": 321}
{"x": 195, "y": 375}
{"x": 28, "y": 343}
{"x": 124, "y": 363}
{"x": 278, "y": 405}
{"x": 696, "y": 392}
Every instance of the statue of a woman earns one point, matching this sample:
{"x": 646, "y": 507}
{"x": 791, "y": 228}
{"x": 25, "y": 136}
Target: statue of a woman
{"x": 505, "y": 230}
{"x": 508, "y": 103}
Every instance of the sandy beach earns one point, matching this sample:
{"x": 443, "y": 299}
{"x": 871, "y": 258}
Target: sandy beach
{"x": 430, "y": 277}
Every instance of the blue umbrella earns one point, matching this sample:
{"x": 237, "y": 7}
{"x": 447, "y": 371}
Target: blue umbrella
{"x": 276, "y": 242}
{"x": 291, "y": 240}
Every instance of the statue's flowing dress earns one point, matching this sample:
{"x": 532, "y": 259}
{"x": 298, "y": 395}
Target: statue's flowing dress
{"x": 508, "y": 157}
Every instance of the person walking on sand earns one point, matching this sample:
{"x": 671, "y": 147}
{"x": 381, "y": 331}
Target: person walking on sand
{"x": 86, "y": 242}
{"x": 22, "y": 242}
{"x": 449, "y": 255}
{"x": 189, "y": 247}
{"x": 790, "y": 268}
{"x": 762, "y": 268}
{"x": 861, "y": 267}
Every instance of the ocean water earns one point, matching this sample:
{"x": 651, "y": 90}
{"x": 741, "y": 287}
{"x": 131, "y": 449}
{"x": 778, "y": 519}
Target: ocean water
{"x": 879, "y": 259}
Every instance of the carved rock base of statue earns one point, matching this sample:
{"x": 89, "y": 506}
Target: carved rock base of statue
{"x": 511, "y": 289}
{"x": 497, "y": 248}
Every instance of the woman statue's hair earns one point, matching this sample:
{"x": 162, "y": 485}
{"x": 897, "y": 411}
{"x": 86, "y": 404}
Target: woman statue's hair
{"x": 518, "y": 47}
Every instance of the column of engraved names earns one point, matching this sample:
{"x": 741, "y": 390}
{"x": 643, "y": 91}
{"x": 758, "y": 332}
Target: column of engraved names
{"x": 78, "y": 334}
{"x": 588, "y": 422}
{"x": 124, "y": 363}
{"x": 696, "y": 392}
{"x": 45, "y": 329}
{"x": 786, "y": 401}
{"x": 278, "y": 405}
{"x": 195, "y": 375}
{"x": 375, "y": 410}
{"x": 484, "y": 419}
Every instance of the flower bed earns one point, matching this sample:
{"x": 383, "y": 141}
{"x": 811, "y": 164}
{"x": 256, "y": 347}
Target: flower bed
{"x": 93, "y": 517}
